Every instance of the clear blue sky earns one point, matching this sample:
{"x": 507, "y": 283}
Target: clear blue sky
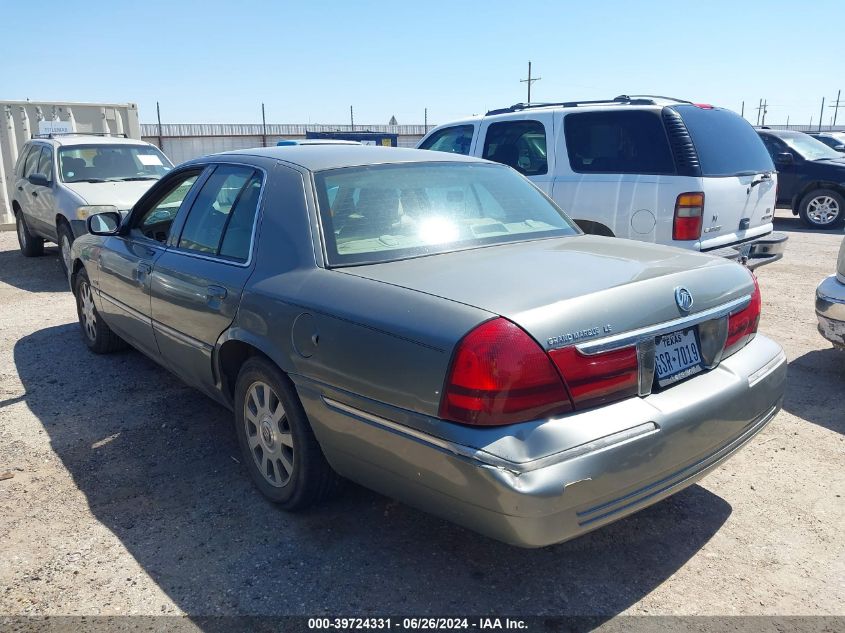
{"x": 215, "y": 61}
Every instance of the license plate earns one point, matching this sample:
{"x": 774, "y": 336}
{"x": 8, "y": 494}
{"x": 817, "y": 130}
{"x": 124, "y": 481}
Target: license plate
{"x": 676, "y": 357}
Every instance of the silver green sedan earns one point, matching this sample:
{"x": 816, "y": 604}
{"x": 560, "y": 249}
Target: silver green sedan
{"x": 433, "y": 327}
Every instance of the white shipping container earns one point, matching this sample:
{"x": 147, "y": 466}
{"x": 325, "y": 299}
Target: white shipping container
{"x": 21, "y": 120}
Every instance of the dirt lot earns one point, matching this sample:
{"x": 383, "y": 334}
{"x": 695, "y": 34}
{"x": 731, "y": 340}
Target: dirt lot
{"x": 127, "y": 497}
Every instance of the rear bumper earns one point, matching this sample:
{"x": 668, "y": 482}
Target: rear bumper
{"x": 542, "y": 483}
{"x": 757, "y": 252}
{"x": 830, "y": 310}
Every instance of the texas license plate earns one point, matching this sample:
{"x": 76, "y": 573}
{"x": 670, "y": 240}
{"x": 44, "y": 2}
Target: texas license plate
{"x": 677, "y": 356}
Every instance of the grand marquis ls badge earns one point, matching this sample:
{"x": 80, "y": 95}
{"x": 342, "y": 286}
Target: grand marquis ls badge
{"x": 683, "y": 298}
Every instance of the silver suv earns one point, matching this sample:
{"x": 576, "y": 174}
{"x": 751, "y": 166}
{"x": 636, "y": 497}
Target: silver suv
{"x": 642, "y": 167}
{"x": 62, "y": 179}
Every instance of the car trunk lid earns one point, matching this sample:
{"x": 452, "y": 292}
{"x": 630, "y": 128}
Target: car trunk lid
{"x": 571, "y": 289}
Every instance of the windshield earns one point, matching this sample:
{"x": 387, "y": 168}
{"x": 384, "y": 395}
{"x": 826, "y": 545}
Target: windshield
{"x": 726, "y": 143}
{"x": 105, "y": 163}
{"x": 809, "y": 148}
{"x": 381, "y": 213}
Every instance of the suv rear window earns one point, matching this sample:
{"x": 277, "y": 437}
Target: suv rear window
{"x": 726, "y": 143}
{"x": 623, "y": 142}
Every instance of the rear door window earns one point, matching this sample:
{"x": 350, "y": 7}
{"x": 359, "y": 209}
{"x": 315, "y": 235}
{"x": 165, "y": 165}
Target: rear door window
{"x": 455, "y": 140}
{"x": 518, "y": 144}
{"x": 727, "y": 144}
{"x": 618, "y": 142}
{"x": 220, "y": 220}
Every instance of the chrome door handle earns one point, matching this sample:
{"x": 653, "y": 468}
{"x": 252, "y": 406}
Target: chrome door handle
{"x": 20, "y": 188}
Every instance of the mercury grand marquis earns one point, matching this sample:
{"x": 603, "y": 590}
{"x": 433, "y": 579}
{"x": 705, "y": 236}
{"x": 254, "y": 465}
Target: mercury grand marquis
{"x": 433, "y": 327}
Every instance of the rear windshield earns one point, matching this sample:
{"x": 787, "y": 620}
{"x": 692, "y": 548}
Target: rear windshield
{"x": 726, "y": 143}
{"x": 381, "y": 213}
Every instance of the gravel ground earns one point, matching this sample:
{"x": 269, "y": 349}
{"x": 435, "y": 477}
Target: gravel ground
{"x": 127, "y": 497}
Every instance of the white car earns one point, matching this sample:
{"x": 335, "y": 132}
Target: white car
{"x": 62, "y": 179}
{"x": 646, "y": 168}
{"x": 830, "y": 303}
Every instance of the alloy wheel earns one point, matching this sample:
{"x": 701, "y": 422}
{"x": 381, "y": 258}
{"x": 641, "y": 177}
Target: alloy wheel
{"x": 87, "y": 311}
{"x": 269, "y": 434}
{"x": 823, "y": 210}
{"x": 65, "y": 248}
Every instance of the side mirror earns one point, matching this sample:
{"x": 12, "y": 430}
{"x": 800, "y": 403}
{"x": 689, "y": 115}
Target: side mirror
{"x": 107, "y": 223}
{"x": 785, "y": 158}
{"x": 839, "y": 148}
{"x": 39, "y": 180}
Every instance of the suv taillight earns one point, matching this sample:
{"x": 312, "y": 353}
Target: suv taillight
{"x": 689, "y": 212}
{"x": 742, "y": 325}
{"x": 500, "y": 375}
{"x": 598, "y": 378}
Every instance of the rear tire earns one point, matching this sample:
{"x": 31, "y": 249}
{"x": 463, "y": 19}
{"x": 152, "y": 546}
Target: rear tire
{"x": 65, "y": 236}
{"x": 823, "y": 209}
{"x": 97, "y": 335}
{"x": 31, "y": 246}
{"x": 277, "y": 443}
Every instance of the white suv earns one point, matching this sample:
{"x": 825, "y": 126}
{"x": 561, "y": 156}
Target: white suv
{"x": 647, "y": 168}
{"x": 61, "y": 179}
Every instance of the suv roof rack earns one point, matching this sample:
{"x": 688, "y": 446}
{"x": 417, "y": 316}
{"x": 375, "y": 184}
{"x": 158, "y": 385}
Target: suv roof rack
{"x": 57, "y": 134}
{"x": 621, "y": 99}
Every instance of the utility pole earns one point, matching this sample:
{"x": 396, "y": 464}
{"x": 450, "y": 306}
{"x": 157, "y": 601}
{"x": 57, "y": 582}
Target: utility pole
{"x": 352, "y": 118}
{"x": 821, "y": 116}
{"x": 425, "y": 121}
{"x": 263, "y": 127}
{"x": 836, "y": 107}
{"x": 529, "y": 81}
{"x": 765, "y": 111}
{"x": 742, "y": 114}
{"x": 158, "y": 114}
{"x": 759, "y": 110}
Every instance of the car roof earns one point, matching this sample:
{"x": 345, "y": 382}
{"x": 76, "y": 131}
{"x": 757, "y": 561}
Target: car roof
{"x": 334, "y": 156}
{"x": 782, "y": 133}
{"x": 62, "y": 140}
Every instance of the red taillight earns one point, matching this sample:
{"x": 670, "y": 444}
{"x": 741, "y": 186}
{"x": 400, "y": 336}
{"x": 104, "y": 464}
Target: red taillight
{"x": 500, "y": 375}
{"x": 689, "y": 212}
{"x": 742, "y": 325}
{"x": 599, "y": 378}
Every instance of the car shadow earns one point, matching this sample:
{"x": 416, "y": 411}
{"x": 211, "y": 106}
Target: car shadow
{"x": 159, "y": 466}
{"x": 816, "y": 392}
{"x": 34, "y": 274}
{"x": 785, "y": 221}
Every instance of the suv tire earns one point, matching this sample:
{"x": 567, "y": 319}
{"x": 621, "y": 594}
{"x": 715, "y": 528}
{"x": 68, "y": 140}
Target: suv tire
{"x": 823, "y": 209}
{"x": 278, "y": 445}
{"x": 98, "y": 336}
{"x": 31, "y": 246}
{"x": 65, "y": 236}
